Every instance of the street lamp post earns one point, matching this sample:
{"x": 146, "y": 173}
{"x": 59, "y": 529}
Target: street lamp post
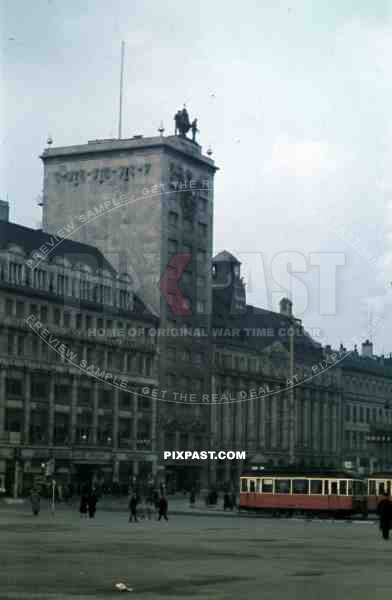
{"x": 292, "y": 401}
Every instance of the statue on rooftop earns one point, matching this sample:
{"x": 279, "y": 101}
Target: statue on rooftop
{"x": 183, "y": 124}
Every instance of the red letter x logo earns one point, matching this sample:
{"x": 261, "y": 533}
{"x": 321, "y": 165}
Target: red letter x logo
{"x": 168, "y": 284}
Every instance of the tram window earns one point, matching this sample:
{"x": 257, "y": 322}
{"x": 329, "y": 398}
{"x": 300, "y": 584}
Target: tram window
{"x": 358, "y": 488}
{"x": 326, "y": 488}
{"x": 334, "y": 488}
{"x": 350, "y": 487}
{"x": 300, "y": 486}
{"x": 381, "y": 488}
{"x": 244, "y": 485}
{"x": 389, "y": 487}
{"x": 267, "y": 486}
{"x": 316, "y": 486}
{"x": 252, "y": 486}
{"x": 282, "y": 486}
{"x": 343, "y": 488}
{"x": 372, "y": 487}
{"x": 258, "y": 485}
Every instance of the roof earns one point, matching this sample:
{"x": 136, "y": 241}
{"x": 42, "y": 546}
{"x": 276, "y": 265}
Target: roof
{"x": 260, "y": 328}
{"x": 297, "y": 472}
{"x": 225, "y": 257}
{"x": 33, "y": 239}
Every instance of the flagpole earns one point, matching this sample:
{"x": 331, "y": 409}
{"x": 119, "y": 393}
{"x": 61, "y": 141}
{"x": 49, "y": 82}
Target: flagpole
{"x": 121, "y": 91}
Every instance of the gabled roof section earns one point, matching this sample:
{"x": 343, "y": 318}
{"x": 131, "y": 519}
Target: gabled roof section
{"x": 31, "y": 240}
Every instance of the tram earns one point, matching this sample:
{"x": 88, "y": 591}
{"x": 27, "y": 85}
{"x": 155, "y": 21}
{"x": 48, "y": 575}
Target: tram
{"x": 377, "y": 485}
{"x": 288, "y": 491}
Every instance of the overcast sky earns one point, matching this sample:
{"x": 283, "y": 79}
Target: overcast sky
{"x": 294, "y": 98}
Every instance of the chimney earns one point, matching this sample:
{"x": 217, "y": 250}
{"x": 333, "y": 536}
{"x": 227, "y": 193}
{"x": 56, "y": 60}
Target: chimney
{"x": 4, "y": 211}
{"x": 286, "y": 307}
{"x": 367, "y": 349}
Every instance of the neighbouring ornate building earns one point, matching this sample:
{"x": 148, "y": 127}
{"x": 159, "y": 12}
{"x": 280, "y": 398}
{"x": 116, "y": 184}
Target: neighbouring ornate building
{"x": 366, "y": 383}
{"x": 340, "y": 417}
{"x": 64, "y": 409}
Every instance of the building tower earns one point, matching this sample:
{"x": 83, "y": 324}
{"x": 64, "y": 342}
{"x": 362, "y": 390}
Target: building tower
{"x": 147, "y": 204}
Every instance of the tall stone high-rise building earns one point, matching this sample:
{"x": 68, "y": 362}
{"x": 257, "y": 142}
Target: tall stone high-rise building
{"x": 147, "y": 204}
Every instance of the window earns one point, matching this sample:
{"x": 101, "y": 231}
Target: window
{"x": 201, "y": 306}
{"x": 252, "y": 486}
{"x": 282, "y": 486}
{"x": 9, "y": 308}
{"x": 343, "y": 488}
{"x": 44, "y": 313}
{"x": 202, "y": 229}
{"x": 188, "y": 225}
{"x": 173, "y": 218}
{"x": 244, "y": 485}
{"x": 333, "y": 488}
{"x": 14, "y": 387}
{"x": 79, "y": 321}
{"x": 268, "y": 486}
{"x": 172, "y": 246}
{"x": 20, "y": 310}
{"x": 300, "y": 486}
{"x": 372, "y": 487}
{"x": 171, "y": 353}
{"x": 203, "y": 205}
{"x": 56, "y": 316}
{"x": 316, "y": 486}
{"x": 20, "y": 349}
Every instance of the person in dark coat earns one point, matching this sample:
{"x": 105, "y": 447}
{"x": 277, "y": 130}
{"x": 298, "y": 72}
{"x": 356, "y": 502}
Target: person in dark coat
{"x": 384, "y": 510}
{"x": 133, "y": 508}
{"x": 92, "y": 503}
{"x": 83, "y": 508}
{"x": 226, "y": 502}
{"x": 162, "y": 508}
{"x": 35, "y": 502}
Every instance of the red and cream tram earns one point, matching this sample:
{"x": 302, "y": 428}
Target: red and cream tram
{"x": 316, "y": 493}
{"x": 377, "y": 485}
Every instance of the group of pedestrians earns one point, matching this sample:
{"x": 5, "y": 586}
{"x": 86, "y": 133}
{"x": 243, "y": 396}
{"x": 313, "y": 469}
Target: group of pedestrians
{"x": 88, "y": 502}
{"x": 159, "y": 503}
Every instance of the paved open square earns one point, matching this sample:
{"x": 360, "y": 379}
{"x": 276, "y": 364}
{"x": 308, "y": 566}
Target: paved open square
{"x": 64, "y": 557}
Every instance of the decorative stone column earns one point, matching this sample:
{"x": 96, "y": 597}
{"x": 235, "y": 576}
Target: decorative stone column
{"x": 27, "y": 407}
{"x": 135, "y": 420}
{"x": 95, "y": 412}
{"x": 115, "y": 417}
{"x": 154, "y": 426}
{"x": 52, "y": 383}
{"x": 74, "y": 402}
{"x": 2, "y": 403}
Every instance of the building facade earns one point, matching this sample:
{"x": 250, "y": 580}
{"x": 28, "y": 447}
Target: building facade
{"x": 64, "y": 407}
{"x": 366, "y": 384}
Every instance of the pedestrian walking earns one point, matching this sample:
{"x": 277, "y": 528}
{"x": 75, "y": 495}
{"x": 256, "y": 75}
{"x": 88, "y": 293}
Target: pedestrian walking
{"x": 163, "y": 505}
{"x": 35, "y": 500}
{"x": 226, "y": 502}
{"x": 92, "y": 503}
{"x": 133, "y": 508}
{"x": 83, "y": 507}
{"x": 384, "y": 510}
{"x": 149, "y": 507}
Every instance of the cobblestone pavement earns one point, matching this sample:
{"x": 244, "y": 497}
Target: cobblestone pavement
{"x": 64, "y": 557}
